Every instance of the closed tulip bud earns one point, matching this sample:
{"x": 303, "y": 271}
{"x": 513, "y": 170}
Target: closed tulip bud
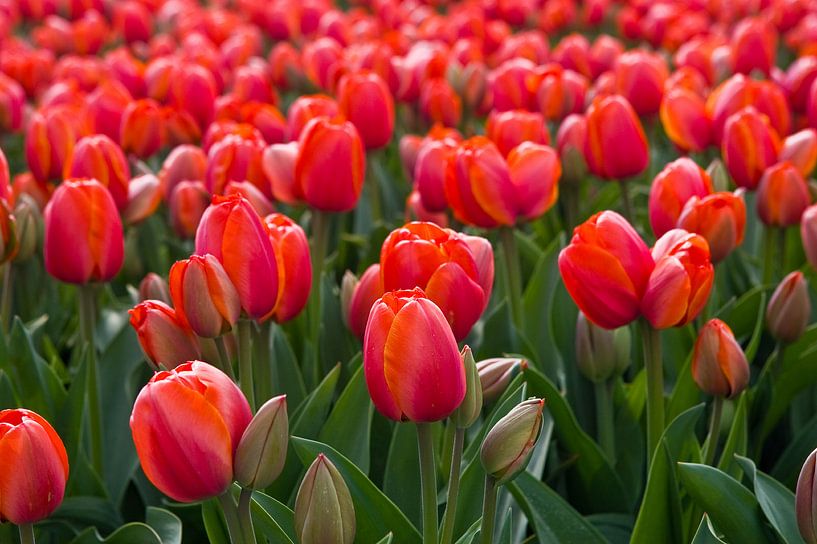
{"x": 800, "y": 149}
{"x": 616, "y": 147}
{"x": 364, "y": 293}
{"x": 184, "y": 163}
{"x": 439, "y": 103}
{"x": 719, "y": 366}
{"x": 189, "y": 462}
{"x": 100, "y": 158}
{"x": 29, "y": 224}
{"x": 193, "y": 90}
{"x": 330, "y": 166}
{"x": 308, "y": 107}
{"x": 262, "y": 451}
{"x": 570, "y": 141}
{"x": 496, "y": 373}
{"x": 163, "y": 336}
{"x": 679, "y": 181}
{"x": 685, "y": 120}
{"x": 187, "y": 203}
{"x": 430, "y": 171}
{"x": 235, "y": 158}
{"x": 749, "y": 146}
{"x": 154, "y": 287}
{"x": 605, "y": 268}
{"x": 510, "y": 128}
{"x": 12, "y": 102}
{"x": 142, "y": 128}
{"x": 789, "y": 309}
{"x": 291, "y": 248}
{"x": 601, "y": 353}
{"x": 410, "y": 357}
{"x": 535, "y": 171}
{"x": 232, "y": 232}
{"x": 261, "y": 204}
{"x": 561, "y": 93}
{"x": 640, "y": 77}
{"x": 754, "y": 46}
{"x": 144, "y": 197}
{"x": 49, "y": 142}
{"x": 509, "y": 85}
{"x": 468, "y": 412}
{"x": 507, "y": 447}
{"x": 719, "y": 175}
{"x": 805, "y": 505}
{"x": 83, "y": 233}
{"x": 204, "y": 297}
{"x": 34, "y": 488}
{"x": 720, "y": 218}
{"x": 278, "y": 163}
{"x": 324, "y": 512}
{"x": 782, "y": 196}
{"x": 365, "y": 100}
{"x": 808, "y": 234}
{"x": 680, "y": 283}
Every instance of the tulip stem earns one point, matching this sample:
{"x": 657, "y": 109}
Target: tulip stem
{"x": 26, "y": 533}
{"x": 320, "y": 235}
{"x": 87, "y": 323}
{"x": 625, "y": 200}
{"x": 714, "y": 427}
{"x": 768, "y": 255}
{"x": 651, "y": 340}
{"x": 513, "y": 274}
{"x": 373, "y": 185}
{"x": 245, "y": 515}
{"x": 226, "y": 363}
{"x": 453, "y": 487}
{"x": 428, "y": 479}
{"x": 245, "y": 360}
{"x": 231, "y": 517}
{"x": 486, "y": 531}
{"x": 605, "y": 420}
{"x": 5, "y": 302}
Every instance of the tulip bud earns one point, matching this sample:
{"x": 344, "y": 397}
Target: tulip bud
{"x": 601, "y": 353}
{"x": 9, "y": 240}
{"x": 324, "y": 513}
{"x": 154, "y": 287}
{"x": 719, "y": 366}
{"x": 720, "y": 218}
{"x": 805, "y": 506}
{"x": 36, "y": 467}
{"x": 800, "y": 149}
{"x": 364, "y": 293}
{"x": 164, "y": 339}
{"x": 507, "y": 447}
{"x": 29, "y": 221}
{"x": 718, "y": 174}
{"x": 262, "y": 450}
{"x": 616, "y": 147}
{"x": 468, "y": 412}
{"x": 100, "y": 158}
{"x": 789, "y": 309}
{"x": 495, "y": 374}
{"x": 291, "y": 248}
{"x": 782, "y": 195}
{"x": 144, "y": 196}
{"x": 347, "y": 289}
{"x": 203, "y": 295}
{"x": 808, "y": 234}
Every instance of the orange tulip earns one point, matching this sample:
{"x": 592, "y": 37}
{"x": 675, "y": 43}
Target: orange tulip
{"x": 307, "y": 107}
{"x": 750, "y": 145}
{"x": 800, "y": 149}
{"x": 561, "y": 93}
{"x": 439, "y": 103}
{"x": 510, "y": 128}
{"x": 184, "y": 163}
{"x": 366, "y": 101}
{"x": 292, "y": 256}
{"x": 50, "y": 138}
{"x": 203, "y": 296}
{"x": 685, "y": 120}
{"x": 511, "y": 85}
{"x": 782, "y": 196}
{"x": 361, "y": 295}
{"x": 187, "y": 203}
{"x": 535, "y": 171}
{"x": 164, "y": 337}
{"x": 720, "y": 218}
{"x": 616, "y": 147}
{"x": 100, "y": 158}
{"x": 235, "y": 158}
{"x": 679, "y": 181}
{"x": 808, "y": 234}
{"x": 142, "y": 129}
{"x": 719, "y": 366}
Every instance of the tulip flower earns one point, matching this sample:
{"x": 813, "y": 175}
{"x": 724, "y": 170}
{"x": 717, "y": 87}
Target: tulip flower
{"x": 510, "y": 128}
{"x": 262, "y": 451}
{"x": 789, "y": 309}
{"x": 187, "y": 203}
{"x": 439, "y": 103}
{"x": 496, "y": 373}
{"x": 236, "y": 158}
{"x": 154, "y": 287}
{"x": 33, "y": 482}
{"x": 510, "y": 87}
{"x": 750, "y": 145}
{"x": 164, "y": 337}
{"x": 142, "y": 130}
{"x": 12, "y": 100}
{"x": 292, "y": 257}
{"x": 679, "y": 181}
{"x": 49, "y": 142}
{"x": 9, "y": 233}
{"x": 359, "y": 296}
{"x": 184, "y": 163}
{"x": 261, "y": 204}
{"x": 366, "y": 101}
{"x": 232, "y": 232}
{"x": 411, "y": 360}
{"x": 605, "y": 269}
{"x": 507, "y": 447}
{"x": 430, "y": 171}
{"x": 186, "y": 425}
{"x": 83, "y": 233}
{"x": 686, "y": 122}
{"x": 782, "y": 195}
{"x": 330, "y": 166}
{"x": 754, "y": 46}
{"x": 324, "y": 512}
{"x": 804, "y": 500}
{"x": 278, "y": 163}
{"x": 100, "y": 158}
{"x": 720, "y": 218}
{"x": 308, "y": 107}
{"x": 798, "y": 78}
{"x": 561, "y": 93}
{"x": 800, "y": 149}
{"x": 203, "y": 296}
{"x": 445, "y": 265}
{"x": 193, "y": 90}
{"x": 719, "y": 366}
{"x": 535, "y": 171}
{"x": 640, "y": 77}
{"x": 570, "y": 140}
{"x": 808, "y": 234}
{"x": 616, "y": 147}
{"x": 680, "y": 283}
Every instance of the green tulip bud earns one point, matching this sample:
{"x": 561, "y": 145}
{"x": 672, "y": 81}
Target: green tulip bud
{"x": 507, "y": 446}
{"x": 495, "y": 374}
{"x": 719, "y": 175}
{"x": 29, "y": 226}
{"x": 324, "y": 513}
{"x": 262, "y": 451}
{"x": 468, "y": 412}
{"x": 601, "y": 353}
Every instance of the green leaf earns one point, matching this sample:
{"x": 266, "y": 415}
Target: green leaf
{"x": 787, "y": 468}
{"x": 386, "y": 539}
{"x": 166, "y": 524}
{"x": 775, "y": 500}
{"x": 280, "y": 514}
{"x": 473, "y": 531}
{"x": 214, "y": 522}
{"x": 733, "y": 508}
{"x": 552, "y": 518}
{"x": 706, "y": 533}
{"x": 685, "y": 393}
{"x": 402, "y": 468}
{"x": 81, "y": 512}
{"x": 376, "y": 514}
{"x": 7, "y": 397}
{"x": 736, "y": 441}
{"x": 285, "y": 372}
{"x": 537, "y": 303}
{"x": 616, "y": 528}
{"x": 132, "y": 533}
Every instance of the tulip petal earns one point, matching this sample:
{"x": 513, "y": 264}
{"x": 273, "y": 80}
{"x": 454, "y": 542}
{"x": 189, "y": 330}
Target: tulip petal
{"x": 459, "y": 297}
{"x": 666, "y": 299}
{"x": 377, "y": 332}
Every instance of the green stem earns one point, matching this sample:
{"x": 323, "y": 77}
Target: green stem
{"x": 5, "y": 301}
{"x": 605, "y": 420}
{"x": 226, "y": 362}
{"x": 714, "y": 428}
{"x": 625, "y": 200}
{"x": 231, "y": 516}
{"x": 373, "y": 186}
{"x": 245, "y": 515}
{"x": 453, "y": 488}
{"x": 26, "y": 533}
{"x": 87, "y": 323}
{"x": 488, "y": 511}
{"x": 768, "y": 255}
{"x": 245, "y": 360}
{"x": 514, "y": 276}
{"x": 264, "y": 360}
{"x": 428, "y": 479}
{"x": 320, "y": 235}
{"x": 655, "y": 387}
{"x": 781, "y": 248}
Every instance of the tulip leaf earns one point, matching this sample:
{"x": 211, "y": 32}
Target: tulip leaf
{"x": 685, "y": 393}
{"x": 266, "y": 523}
{"x": 659, "y": 518}
{"x": 70, "y": 417}
{"x": 214, "y": 522}
{"x": 281, "y": 514}
{"x": 537, "y": 304}
{"x": 166, "y": 524}
{"x": 285, "y": 375}
{"x": 734, "y": 510}
{"x": 131, "y": 533}
{"x": 706, "y": 533}
{"x": 776, "y": 501}
{"x": 616, "y": 528}
{"x": 787, "y": 468}
{"x": 386, "y": 539}
{"x": 737, "y": 440}
{"x": 402, "y": 468}
{"x": 81, "y": 511}
{"x": 469, "y": 535}
{"x": 347, "y": 429}
{"x": 629, "y": 401}
{"x": 592, "y": 469}
{"x": 552, "y": 518}
{"x": 376, "y": 514}
{"x": 7, "y": 397}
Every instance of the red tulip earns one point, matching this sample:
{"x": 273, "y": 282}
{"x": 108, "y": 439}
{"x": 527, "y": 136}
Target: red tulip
{"x": 292, "y": 256}
{"x": 261, "y": 204}
{"x": 144, "y": 197}
{"x": 50, "y": 138}
{"x": 640, "y": 78}
{"x": 535, "y": 172}
{"x": 679, "y": 181}
{"x": 800, "y": 149}
{"x": 236, "y": 159}
{"x": 164, "y": 337}
{"x": 720, "y": 218}
{"x": 267, "y": 119}
{"x": 439, "y": 103}
{"x": 330, "y": 166}
{"x": 750, "y": 145}
{"x": 278, "y": 163}
{"x": 686, "y": 122}
{"x": 100, "y": 158}
{"x": 410, "y": 357}
{"x": 184, "y": 163}
{"x": 782, "y": 196}
{"x": 430, "y": 171}
{"x": 808, "y": 234}
{"x": 605, "y": 269}
{"x": 323, "y": 62}
{"x": 445, "y": 265}
{"x": 719, "y": 366}
{"x": 12, "y": 101}
{"x": 798, "y": 79}
{"x": 789, "y": 309}
{"x": 193, "y": 90}
{"x": 154, "y": 287}
{"x": 366, "y": 101}
{"x": 36, "y": 464}
{"x": 83, "y": 233}
{"x": 186, "y": 426}
{"x": 142, "y": 129}
{"x": 680, "y": 283}
{"x": 510, "y": 85}
{"x": 361, "y": 295}
{"x": 510, "y": 128}
{"x": 561, "y": 93}
{"x": 187, "y": 203}
{"x": 203, "y": 296}
{"x": 133, "y": 21}
{"x": 307, "y": 107}
{"x": 616, "y": 147}
{"x": 754, "y": 46}
{"x": 233, "y": 233}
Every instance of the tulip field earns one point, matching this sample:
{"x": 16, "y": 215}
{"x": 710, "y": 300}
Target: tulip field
{"x": 408, "y": 272}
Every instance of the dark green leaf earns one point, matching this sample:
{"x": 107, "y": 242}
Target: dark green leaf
{"x": 166, "y": 524}
{"x": 214, "y": 522}
{"x": 775, "y": 500}
{"x": 736, "y": 441}
{"x": 616, "y": 528}
{"x": 347, "y": 428}
{"x": 402, "y": 467}
{"x": 132, "y": 533}
{"x": 279, "y": 513}
{"x": 706, "y": 533}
